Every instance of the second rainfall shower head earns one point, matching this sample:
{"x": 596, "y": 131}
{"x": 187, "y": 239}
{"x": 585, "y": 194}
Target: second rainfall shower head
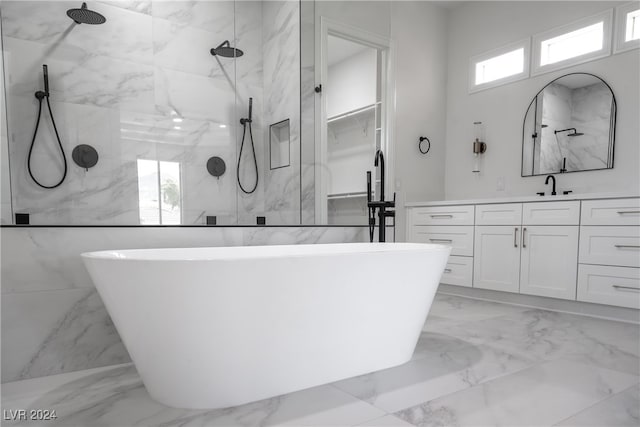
{"x": 226, "y": 50}
{"x": 86, "y": 16}
{"x": 573, "y": 132}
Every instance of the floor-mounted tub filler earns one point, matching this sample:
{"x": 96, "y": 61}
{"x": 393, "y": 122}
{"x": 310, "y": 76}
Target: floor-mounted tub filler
{"x": 220, "y": 327}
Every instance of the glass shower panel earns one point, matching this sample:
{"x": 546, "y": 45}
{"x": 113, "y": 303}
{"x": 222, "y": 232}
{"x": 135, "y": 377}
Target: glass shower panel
{"x": 145, "y": 86}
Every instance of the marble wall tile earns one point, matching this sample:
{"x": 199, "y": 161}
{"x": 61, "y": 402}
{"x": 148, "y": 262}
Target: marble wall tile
{"x": 53, "y": 320}
{"x": 212, "y": 16}
{"x": 119, "y": 85}
{"x": 299, "y": 235}
{"x": 187, "y": 48}
{"x": 126, "y": 35}
{"x": 142, "y": 6}
{"x": 37, "y": 259}
{"x": 6, "y": 214}
{"x": 50, "y": 332}
{"x": 281, "y": 34}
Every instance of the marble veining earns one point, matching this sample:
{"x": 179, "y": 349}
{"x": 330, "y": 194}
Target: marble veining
{"x": 52, "y": 315}
{"x": 481, "y": 378}
{"x": 118, "y": 86}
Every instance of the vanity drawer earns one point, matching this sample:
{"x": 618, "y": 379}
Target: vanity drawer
{"x": 610, "y": 246}
{"x": 551, "y": 213}
{"x": 460, "y": 238}
{"x": 604, "y": 284}
{"x": 459, "y": 271}
{"x": 442, "y": 215}
{"x": 499, "y": 214}
{"x": 611, "y": 212}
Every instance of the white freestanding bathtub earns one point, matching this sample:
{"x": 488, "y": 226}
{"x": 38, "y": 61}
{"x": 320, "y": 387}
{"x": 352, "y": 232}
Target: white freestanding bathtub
{"x": 219, "y": 327}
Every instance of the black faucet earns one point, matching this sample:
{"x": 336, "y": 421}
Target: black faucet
{"x": 382, "y": 205}
{"x": 546, "y": 182}
{"x": 380, "y": 157}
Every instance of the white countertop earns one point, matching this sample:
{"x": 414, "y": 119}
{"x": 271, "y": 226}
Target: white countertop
{"x": 524, "y": 199}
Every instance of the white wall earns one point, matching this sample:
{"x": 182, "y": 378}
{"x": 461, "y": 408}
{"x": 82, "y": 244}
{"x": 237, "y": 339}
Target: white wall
{"x": 351, "y": 83}
{"x": 419, "y": 32}
{"x": 476, "y": 27}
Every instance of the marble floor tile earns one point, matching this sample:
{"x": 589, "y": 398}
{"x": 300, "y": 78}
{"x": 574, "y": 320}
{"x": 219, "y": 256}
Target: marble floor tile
{"x": 546, "y": 335}
{"x": 539, "y": 396}
{"x": 476, "y": 363}
{"x": 117, "y": 397}
{"x": 432, "y": 376}
{"x": 468, "y": 309}
{"x": 386, "y": 421}
{"x": 622, "y": 409}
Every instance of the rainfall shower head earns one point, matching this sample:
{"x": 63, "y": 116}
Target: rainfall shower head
{"x": 573, "y": 131}
{"x": 226, "y": 51}
{"x": 85, "y": 16}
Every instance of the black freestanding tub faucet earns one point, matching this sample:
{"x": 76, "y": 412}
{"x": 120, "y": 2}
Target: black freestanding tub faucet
{"x": 384, "y": 207}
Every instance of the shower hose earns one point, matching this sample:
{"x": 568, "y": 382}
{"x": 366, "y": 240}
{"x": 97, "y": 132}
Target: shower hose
{"x": 45, "y": 95}
{"x": 247, "y": 123}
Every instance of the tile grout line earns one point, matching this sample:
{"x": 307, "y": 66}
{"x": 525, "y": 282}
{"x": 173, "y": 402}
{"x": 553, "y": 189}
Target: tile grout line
{"x": 599, "y": 402}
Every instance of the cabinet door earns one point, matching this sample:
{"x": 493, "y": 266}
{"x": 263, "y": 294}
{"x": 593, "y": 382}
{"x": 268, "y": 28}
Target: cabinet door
{"x": 549, "y": 259}
{"x": 497, "y": 258}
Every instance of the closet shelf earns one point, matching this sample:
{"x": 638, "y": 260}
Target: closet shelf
{"x": 350, "y": 195}
{"x": 352, "y": 113}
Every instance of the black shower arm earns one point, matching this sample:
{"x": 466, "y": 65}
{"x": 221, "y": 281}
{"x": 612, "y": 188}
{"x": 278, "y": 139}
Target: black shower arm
{"x": 226, "y": 42}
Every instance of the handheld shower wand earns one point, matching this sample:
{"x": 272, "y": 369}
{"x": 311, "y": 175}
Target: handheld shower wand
{"x": 246, "y": 123}
{"x": 40, "y": 95}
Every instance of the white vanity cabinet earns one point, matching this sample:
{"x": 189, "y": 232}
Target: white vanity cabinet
{"x": 534, "y": 252}
{"x": 548, "y": 261}
{"x": 609, "y": 269}
{"x": 496, "y": 264}
{"x": 574, "y": 249}
{"x": 451, "y": 226}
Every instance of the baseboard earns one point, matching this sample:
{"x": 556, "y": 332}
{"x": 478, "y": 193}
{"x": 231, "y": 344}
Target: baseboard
{"x": 609, "y": 312}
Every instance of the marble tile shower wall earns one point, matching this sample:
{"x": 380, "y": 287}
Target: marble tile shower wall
{"x": 118, "y": 86}
{"x": 282, "y": 71}
{"x": 53, "y": 320}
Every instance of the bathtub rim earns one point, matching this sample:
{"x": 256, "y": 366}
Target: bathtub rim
{"x": 232, "y": 253}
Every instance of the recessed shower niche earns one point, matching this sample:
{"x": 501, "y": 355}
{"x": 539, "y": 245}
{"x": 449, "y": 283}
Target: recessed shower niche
{"x": 280, "y": 145}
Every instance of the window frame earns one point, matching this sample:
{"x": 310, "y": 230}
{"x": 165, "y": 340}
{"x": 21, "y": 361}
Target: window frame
{"x": 621, "y": 28}
{"x": 606, "y": 17}
{"x": 522, "y": 43}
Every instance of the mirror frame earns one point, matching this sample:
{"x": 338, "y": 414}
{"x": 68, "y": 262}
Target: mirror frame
{"x": 612, "y": 129}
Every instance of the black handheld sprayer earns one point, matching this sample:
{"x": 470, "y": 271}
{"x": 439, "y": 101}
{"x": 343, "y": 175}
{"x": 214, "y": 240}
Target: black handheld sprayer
{"x": 40, "y": 96}
{"x": 246, "y": 123}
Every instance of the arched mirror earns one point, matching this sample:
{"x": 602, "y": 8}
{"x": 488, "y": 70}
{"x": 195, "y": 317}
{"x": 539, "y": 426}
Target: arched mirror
{"x": 569, "y": 127}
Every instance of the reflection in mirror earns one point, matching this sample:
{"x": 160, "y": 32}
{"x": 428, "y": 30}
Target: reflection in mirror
{"x": 569, "y": 127}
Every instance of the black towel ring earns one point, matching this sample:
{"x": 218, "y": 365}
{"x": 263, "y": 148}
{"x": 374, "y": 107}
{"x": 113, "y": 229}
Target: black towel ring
{"x": 422, "y": 139}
